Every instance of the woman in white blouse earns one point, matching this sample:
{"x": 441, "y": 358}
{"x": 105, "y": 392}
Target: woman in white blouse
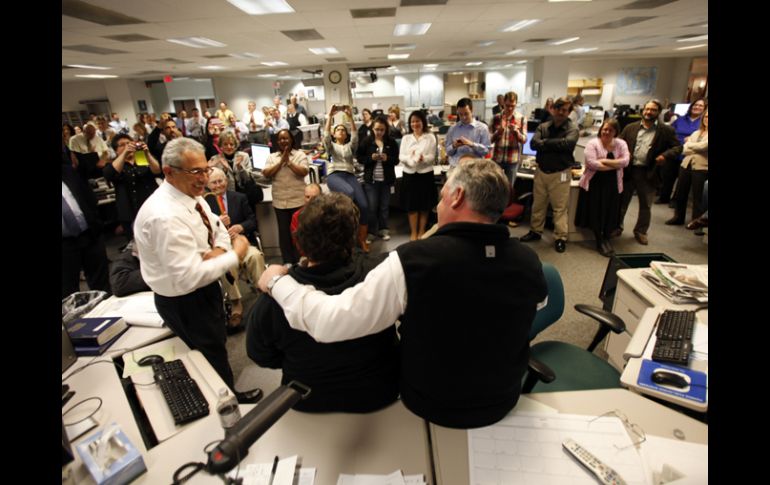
{"x": 287, "y": 167}
{"x": 417, "y": 154}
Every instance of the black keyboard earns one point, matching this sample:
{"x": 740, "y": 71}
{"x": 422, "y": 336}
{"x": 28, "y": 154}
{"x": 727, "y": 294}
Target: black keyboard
{"x": 674, "y": 337}
{"x": 181, "y": 392}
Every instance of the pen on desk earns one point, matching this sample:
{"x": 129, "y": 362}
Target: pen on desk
{"x": 272, "y": 472}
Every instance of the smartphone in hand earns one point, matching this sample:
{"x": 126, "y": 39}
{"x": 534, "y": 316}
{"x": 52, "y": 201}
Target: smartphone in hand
{"x": 140, "y": 158}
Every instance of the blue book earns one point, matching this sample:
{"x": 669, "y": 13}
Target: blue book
{"x": 95, "y": 331}
{"x": 694, "y": 391}
{"x": 86, "y": 350}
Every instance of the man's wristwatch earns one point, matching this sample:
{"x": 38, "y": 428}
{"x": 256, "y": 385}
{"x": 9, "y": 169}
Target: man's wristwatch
{"x": 272, "y": 283}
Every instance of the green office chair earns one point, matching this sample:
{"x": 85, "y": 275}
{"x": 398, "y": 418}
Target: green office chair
{"x": 559, "y": 366}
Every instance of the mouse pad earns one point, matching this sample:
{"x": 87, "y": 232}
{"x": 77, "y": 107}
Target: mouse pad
{"x": 696, "y": 392}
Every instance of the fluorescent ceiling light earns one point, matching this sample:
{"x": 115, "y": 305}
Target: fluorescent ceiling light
{"x": 514, "y": 52}
{"x": 410, "y": 29}
{"x": 323, "y": 50}
{"x": 518, "y": 25}
{"x": 392, "y": 67}
{"x": 694, "y": 39}
{"x": 197, "y": 42}
{"x": 565, "y": 41}
{"x": 404, "y": 47}
{"x": 457, "y": 72}
{"x": 262, "y": 7}
{"x": 96, "y": 76}
{"x": 398, "y": 56}
{"x": 86, "y": 66}
{"x": 245, "y": 55}
{"x": 511, "y": 65}
{"x": 211, "y": 68}
{"x": 520, "y": 62}
{"x": 430, "y": 65}
{"x": 429, "y": 69}
{"x": 274, "y": 63}
{"x": 474, "y": 63}
{"x": 580, "y": 50}
{"x": 267, "y": 75}
{"x": 486, "y": 43}
{"x": 691, "y": 47}
{"x": 562, "y": 1}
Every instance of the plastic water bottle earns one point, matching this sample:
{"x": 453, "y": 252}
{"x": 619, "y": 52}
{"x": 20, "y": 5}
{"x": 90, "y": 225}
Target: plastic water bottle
{"x": 228, "y": 410}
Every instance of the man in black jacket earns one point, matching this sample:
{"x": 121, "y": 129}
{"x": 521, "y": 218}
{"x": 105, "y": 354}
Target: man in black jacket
{"x": 82, "y": 243}
{"x": 465, "y": 297}
{"x": 650, "y": 144}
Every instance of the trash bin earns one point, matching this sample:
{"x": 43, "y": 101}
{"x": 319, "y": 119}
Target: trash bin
{"x": 625, "y": 261}
{"x": 80, "y": 303}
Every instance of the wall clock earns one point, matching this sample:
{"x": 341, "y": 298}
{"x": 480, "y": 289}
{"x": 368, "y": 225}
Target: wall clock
{"x": 335, "y": 77}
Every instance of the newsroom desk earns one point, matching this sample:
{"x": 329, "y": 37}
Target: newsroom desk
{"x": 638, "y": 347}
{"x": 450, "y": 446}
{"x": 379, "y": 443}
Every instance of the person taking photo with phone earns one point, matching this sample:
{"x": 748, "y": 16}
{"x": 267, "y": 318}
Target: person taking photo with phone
{"x": 132, "y": 173}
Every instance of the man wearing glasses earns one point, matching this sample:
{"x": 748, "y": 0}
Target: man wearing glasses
{"x": 184, "y": 249}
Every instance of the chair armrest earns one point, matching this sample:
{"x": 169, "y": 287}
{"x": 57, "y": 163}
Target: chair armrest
{"x": 608, "y": 321}
{"x": 536, "y": 371}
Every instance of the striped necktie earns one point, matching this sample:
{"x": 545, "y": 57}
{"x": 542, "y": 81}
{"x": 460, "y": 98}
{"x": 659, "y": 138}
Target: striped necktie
{"x": 206, "y": 223}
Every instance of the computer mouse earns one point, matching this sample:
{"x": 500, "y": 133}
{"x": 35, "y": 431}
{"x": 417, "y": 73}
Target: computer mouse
{"x": 669, "y": 379}
{"x": 151, "y": 359}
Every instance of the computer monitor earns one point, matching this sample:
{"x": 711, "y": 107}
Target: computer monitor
{"x": 259, "y": 156}
{"x": 680, "y": 109}
{"x": 527, "y": 150}
{"x": 586, "y": 108}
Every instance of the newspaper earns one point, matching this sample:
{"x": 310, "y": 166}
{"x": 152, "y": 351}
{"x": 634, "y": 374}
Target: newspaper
{"x": 680, "y": 283}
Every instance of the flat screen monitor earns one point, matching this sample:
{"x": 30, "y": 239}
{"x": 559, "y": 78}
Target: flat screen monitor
{"x": 259, "y": 155}
{"x": 527, "y": 150}
{"x": 586, "y": 108}
{"x": 680, "y": 109}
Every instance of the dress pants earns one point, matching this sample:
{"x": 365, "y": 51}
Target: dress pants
{"x": 553, "y": 188}
{"x": 86, "y": 252}
{"x": 198, "y": 318}
{"x": 635, "y": 178}
{"x": 695, "y": 179}
{"x": 289, "y": 252}
{"x": 510, "y": 170}
{"x": 669, "y": 172}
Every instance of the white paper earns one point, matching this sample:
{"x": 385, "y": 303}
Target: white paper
{"x": 690, "y": 459}
{"x": 700, "y": 342}
{"x": 284, "y": 473}
{"x": 253, "y": 474}
{"x": 306, "y": 476}
{"x": 395, "y": 478}
{"x": 527, "y": 448}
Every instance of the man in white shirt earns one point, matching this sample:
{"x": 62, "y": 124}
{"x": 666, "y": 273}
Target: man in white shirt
{"x": 184, "y": 249}
{"x": 195, "y": 124}
{"x": 443, "y": 342}
{"x": 279, "y": 106}
{"x": 120, "y": 126}
{"x": 88, "y": 142}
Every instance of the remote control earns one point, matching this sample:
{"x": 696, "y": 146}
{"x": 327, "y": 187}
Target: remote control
{"x": 604, "y": 473}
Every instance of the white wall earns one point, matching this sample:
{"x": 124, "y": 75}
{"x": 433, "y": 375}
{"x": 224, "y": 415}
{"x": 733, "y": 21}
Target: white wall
{"x": 608, "y": 69}
{"x": 679, "y": 80}
{"x": 454, "y": 89}
{"x": 237, "y": 92}
{"x": 139, "y": 91}
{"x": 74, "y": 91}
{"x": 555, "y": 73}
{"x": 384, "y": 86}
{"x": 189, "y": 89}
{"x": 502, "y": 81}
{"x": 119, "y": 93}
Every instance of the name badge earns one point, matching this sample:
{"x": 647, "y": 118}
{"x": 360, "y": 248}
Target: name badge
{"x": 490, "y": 251}
{"x": 563, "y": 176}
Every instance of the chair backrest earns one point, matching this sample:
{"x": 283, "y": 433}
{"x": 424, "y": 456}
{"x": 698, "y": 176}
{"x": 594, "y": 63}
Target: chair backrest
{"x": 554, "y": 307}
{"x": 442, "y": 130}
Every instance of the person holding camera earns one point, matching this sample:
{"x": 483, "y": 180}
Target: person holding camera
{"x": 341, "y": 168}
{"x": 132, "y": 173}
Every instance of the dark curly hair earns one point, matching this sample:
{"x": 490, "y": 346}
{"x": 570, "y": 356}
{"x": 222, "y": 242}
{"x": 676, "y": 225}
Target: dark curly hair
{"x": 327, "y": 228}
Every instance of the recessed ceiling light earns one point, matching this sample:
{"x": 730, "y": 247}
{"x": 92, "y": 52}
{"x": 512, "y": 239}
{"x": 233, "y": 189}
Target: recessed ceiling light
{"x": 212, "y": 68}
{"x": 561, "y": 1}
{"x": 691, "y": 47}
{"x": 323, "y": 50}
{"x": 398, "y": 56}
{"x": 245, "y": 55}
{"x": 267, "y": 75}
{"x": 474, "y": 63}
{"x": 520, "y": 62}
{"x": 457, "y": 72}
{"x": 430, "y": 65}
{"x": 410, "y": 29}
{"x": 96, "y": 76}
{"x": 485, "y": 43}
{"x": 565, "y": 41}
{"x": 518, "y": 25}
{"x": 197, "y": 42}
{"x": 86, "y": 66}
{"x": 514, "y": 52}
{"x": 262, "y": 7}
{"x": 404, "y": 47}
{"x": 391, "y": 67}
{"x": 581, "y": 50}
{"x": 694, "y": 39}
{"x": 274, "y": 63}
{"x": 511, "y": 65}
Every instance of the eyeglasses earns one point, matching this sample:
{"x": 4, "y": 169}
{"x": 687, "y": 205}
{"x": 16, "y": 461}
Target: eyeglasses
{"x": 636, "y": 431}
{"x": 196, "y": 171}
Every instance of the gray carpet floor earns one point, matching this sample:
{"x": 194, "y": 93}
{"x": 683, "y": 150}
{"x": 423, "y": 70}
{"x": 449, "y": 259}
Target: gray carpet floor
{"x": 582, "y": 270}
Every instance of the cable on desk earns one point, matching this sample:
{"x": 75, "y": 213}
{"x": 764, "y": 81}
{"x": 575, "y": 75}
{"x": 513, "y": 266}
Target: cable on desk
{"x": 94, "y": 361}
{"x": 81, "y": 402}
{"x": 196, "y": 467}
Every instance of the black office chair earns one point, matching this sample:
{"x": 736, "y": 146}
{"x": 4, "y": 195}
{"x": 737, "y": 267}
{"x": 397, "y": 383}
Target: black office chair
{"x": 560, "y": 366}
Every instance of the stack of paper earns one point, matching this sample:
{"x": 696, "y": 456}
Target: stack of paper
{"x": 285, "y": 473}
{"x": 395, "y": 478}
{"x": 680, "y": 283}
